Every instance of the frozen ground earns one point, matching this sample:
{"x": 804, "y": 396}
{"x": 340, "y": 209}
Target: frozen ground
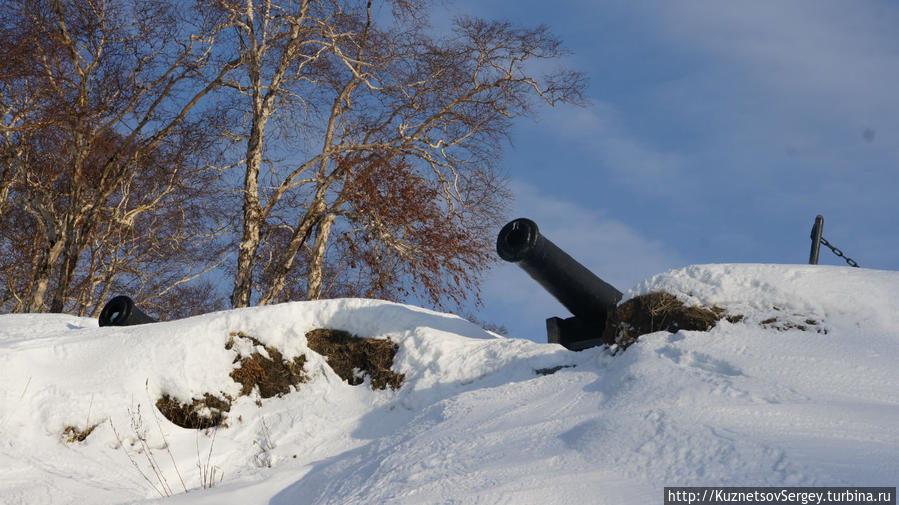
{"x": 758, "y": 402}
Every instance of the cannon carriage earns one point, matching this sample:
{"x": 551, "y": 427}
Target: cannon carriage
{"x": 589, "y": 298}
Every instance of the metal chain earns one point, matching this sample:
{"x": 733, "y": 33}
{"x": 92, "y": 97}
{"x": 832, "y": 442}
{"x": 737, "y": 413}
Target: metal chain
{"x": 839, "y": 253}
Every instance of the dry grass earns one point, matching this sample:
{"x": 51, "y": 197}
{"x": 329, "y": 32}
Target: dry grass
{"x": 350, "y": 356}
{"x": 272, "y": 375}
{"x": 152, "y": 470}
{"x": 657, "y": 312}
{"x": 72, "y": 434}
{"x": 199, "y": 414}
{"x": 141, "y": 437}
{"x": 267, "y": 372}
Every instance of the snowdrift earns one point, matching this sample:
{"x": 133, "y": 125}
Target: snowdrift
{"x": 802, "y": 389}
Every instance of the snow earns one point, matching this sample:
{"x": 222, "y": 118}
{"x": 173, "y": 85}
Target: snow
{"x": 754, "y": 402}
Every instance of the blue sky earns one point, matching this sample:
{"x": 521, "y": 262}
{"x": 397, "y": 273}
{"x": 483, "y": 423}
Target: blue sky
{"x": 716, "y": 131}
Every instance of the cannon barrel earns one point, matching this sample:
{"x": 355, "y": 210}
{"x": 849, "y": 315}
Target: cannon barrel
{"x": 587, "y": 296}
{"x": 121, "y": 311}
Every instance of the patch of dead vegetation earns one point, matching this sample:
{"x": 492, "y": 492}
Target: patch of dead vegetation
{"x": 269, "y": 373}
{"x": 74, "y": 434}
{"x": 259, "y": 368}
{"x": 199, "y": 414}
{"x": 658, "y": 312}
{"x": 351, "y": 356}
{"x": 664, "y": 312}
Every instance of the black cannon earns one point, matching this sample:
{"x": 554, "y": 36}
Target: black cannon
{"x": 121, "y": 311}
{"x": 588, "y": 297}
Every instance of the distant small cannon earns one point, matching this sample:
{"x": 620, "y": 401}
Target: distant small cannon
{"x": 588, "y": 297}
{"x": 121, "y": 311}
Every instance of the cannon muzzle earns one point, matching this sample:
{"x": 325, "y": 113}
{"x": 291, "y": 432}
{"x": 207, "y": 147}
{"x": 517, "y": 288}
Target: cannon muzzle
{"x": 121, "y": 311}
{"x": 587, "y": 296}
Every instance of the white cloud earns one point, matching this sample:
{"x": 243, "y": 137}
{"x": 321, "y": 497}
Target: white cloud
{"x": 810, "y": 70}
{"x": 598, "y": 131}
{"x": 841, "y": 51}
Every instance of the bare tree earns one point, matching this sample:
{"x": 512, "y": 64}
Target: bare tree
{"x": 367, "y": 146}
{"x": 102, "y": 137}
{"x": 395, "y": 153}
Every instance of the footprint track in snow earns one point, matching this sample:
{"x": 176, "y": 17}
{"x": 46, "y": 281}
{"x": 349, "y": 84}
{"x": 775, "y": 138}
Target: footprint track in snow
{"x": 698, "y": 360}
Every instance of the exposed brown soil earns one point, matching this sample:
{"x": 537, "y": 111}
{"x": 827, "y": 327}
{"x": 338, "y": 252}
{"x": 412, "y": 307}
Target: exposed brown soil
{"x": 200, "y": 414}
{"x": 658, "y": 312}
{"x": 350, "y": 356}
{"x": 272, "y": 375}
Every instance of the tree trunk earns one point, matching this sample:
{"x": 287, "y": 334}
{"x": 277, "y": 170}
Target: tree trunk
{"x": 70, "y": 261}
{"x": 315, "y": 278}
{"x": 41, "y": 276}
{"x": 286, "y": 260}
{"x": 300, "y": 235}
{"x": 252, "y": 218}
{"x": 57, "y": 303}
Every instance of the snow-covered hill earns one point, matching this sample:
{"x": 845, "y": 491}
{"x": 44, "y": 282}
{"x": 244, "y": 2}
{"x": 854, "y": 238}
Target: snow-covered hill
{"x": 803, "y": 390}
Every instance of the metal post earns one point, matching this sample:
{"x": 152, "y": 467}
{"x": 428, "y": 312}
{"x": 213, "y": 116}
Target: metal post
{"x": 817, "y": 231}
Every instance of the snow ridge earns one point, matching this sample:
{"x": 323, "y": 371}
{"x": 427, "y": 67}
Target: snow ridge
{"x": 756, "y": 402}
